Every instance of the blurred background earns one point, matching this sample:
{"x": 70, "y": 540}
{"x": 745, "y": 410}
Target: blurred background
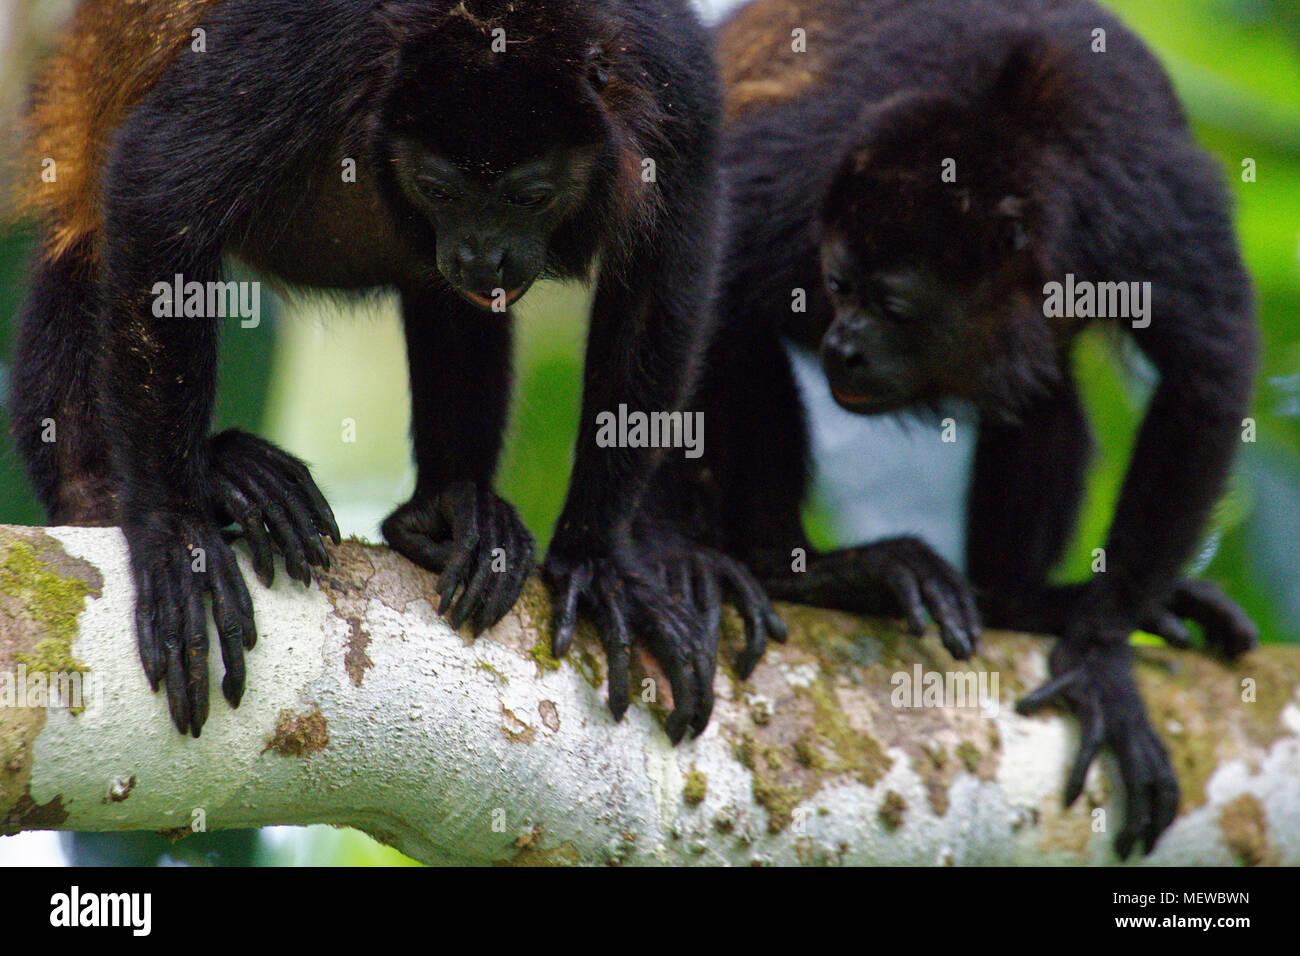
{"x": 317, "y": 374}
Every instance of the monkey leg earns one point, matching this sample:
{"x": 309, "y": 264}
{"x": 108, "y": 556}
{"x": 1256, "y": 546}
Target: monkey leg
{"x": 55, "y": 395}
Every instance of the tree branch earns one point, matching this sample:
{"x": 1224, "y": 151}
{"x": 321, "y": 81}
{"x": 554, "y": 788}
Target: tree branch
{"x": 363, "y": 708}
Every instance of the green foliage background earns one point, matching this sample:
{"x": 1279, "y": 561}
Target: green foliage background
{"x": 1236, "y": 64}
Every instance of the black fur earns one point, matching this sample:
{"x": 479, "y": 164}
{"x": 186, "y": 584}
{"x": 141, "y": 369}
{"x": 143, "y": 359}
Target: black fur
{"x": 237, "y": 150}
{"x": 1068, "y": 162}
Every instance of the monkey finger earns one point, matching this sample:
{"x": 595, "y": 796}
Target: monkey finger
{"x": 682, "y": 578}
{"x": 457, "y": 568}
{"x": 1165, "y": 625}
{"x": 952, "y": 628}
{"x": 755, "y": 610}
{"x": 230, "y": 593}
{"x": 232, "y": 583}
{"x": 283, "y": 534}
{"x": 1049, "y": 693}
{"x": 566, "y": 608}
{"x": 169, "y": 631}
{"x": 1137, "y": 819}
{"x": 1137, "y": 782}
{"x": 1228, "y": 629}
{"x": 618, "y": 647}
{"x": 681, "y": 677}
{"x": 178, "y": 701}
{"x": 706, "y": 666}
{"x": 281, "y": 491}
{"x": 231, "y": 626}
{"x": 1092, "y": 733}
{"x": 971, "y": 613}
{"x": 1166, "y": 799}
{"x": 454, "y": 572}
{"x": 965, "y": 614}
{"x": 249, "y": 517}
{"x": 513, "y": 579}
{"x": 902, "y": 584}
{"x": 755, "y": 642}
{"x": 195, "y": 638}
{"x": 148, "y": 637}
{"x": 776, "y": 628}
{"x": 322, "y": 514}
{"x": 232, "y": 659}
{"x": 710, "y": 605}
{"x": 524, "y": 565}
{"x": 705, "y": 670}
{"x": 473, "y": 593}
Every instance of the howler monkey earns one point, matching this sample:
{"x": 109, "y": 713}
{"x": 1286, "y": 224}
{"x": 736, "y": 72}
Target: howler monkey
{"x": 453, "y": 150}
{"x": 921, "y": 172}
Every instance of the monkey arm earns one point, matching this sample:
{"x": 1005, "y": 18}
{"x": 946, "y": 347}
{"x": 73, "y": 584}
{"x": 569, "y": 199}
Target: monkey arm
{"x": 1205, "y": 353}
{"x": 458, "y": 358}
{"x": 1026, "y": 486}
{"x": 1183, "y": 454}
{"x": 1023, "y": 505}
{"x": 454, "y": 524}
{"x": 648, "y": 333}
{"x": 185, "y": 173}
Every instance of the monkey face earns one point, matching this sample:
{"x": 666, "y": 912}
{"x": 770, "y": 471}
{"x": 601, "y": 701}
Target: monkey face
{"x": 899, "y": 334}
{"x": 932, "y": 282}
{"x": 909, "y": 329}
{"x": 494, "y": 231}
{"x": 496, "y": 136}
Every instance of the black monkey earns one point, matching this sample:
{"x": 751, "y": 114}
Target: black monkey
{"x": 455, "y": 150}
{"x": 923, "y": 170}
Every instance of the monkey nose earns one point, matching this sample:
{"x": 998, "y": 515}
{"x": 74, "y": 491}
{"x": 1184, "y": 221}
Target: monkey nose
{"x": 842, "y": 356}
{"x": 482, "y": 272}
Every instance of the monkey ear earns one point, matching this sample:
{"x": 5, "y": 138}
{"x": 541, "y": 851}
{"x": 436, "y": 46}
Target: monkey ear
{"x": 1032, "y": 79}
{"x": 598, "y": 68}
{"x": 1012, "y": 232}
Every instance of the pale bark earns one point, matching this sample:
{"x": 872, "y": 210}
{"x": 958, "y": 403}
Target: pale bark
{"x": 363, "y": 708}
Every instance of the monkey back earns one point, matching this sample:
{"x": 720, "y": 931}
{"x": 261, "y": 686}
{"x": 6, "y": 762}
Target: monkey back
{"x": 109, "y": 57}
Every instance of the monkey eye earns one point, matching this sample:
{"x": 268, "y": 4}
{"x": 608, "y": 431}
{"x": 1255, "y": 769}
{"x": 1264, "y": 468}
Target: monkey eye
{"x": 838, "y": 286}
{"x": 530, "y": 198}
{"x": 436, "y": 192}
{"x": 893, "y": 308}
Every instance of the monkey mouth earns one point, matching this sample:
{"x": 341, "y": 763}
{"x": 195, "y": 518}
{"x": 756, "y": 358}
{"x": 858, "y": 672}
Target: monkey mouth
{"x": 852, "y": 401}
{"x": 491, "y": 302}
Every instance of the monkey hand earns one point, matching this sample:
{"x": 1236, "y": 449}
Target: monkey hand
{"x": 272, "y": 497}
{"x": 622, "y": 593}
{"x": 475, "y": 542}
{"x": 704, "y": 579}
{"x": 1226, "y": 628}
{"x": 919, "y": 580}
{"x": 1096, "y": 681}
{"x": 178, "y": 557}
{"x": 175, "y": 560}
{"x": 898, "y": 577}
